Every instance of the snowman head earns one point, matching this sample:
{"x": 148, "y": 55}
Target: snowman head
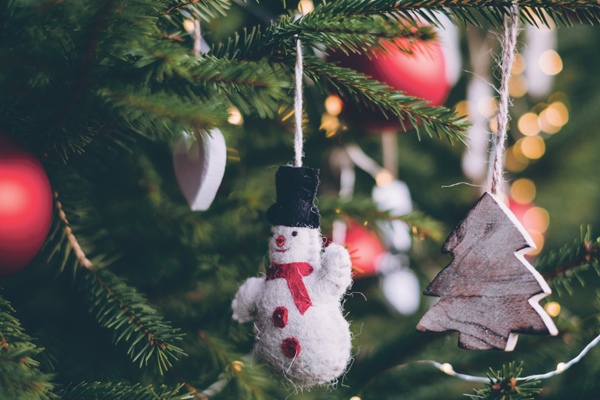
{"x": 295, "y": 244}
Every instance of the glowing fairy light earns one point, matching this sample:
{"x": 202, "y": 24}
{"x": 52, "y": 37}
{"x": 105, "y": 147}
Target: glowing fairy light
{"x": 552, "y": 308}
{"x": 447, "y": 368}
{"x": 306, "y": 6}
{"x": 522, "y": 191}
{"x": 235, "y": 117}
{"x": 333, "y": 105}
{"x": 528, "y": 124}
{"x": 533, "y": 147}
{"x": 550, "y": 62}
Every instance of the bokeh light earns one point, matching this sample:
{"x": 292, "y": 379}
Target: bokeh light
{"x": 528, "y": 124}
{"x": 538, "y": 239}
{"x": 533, "y": 147}
{"x": 494, "y": 124}
{"x": 512, "y": 163}
{"x": 333, "y": 105}
{"x": 487, "y": 106}
{"x": 462, "y": 109}
{"x": 235, "y": 117}
{"x": 522, "y": 191}
{"x": 517, "y": 86}
{"x": 188, "y": 25}
{"x": 384, "y": 177}
{"x": 518, "y": 65}
{"x": 552, "y": 308}
{"x": 550, "y": 62}
{"x": 306, "y": 6}
{"x": 537, "y": 219}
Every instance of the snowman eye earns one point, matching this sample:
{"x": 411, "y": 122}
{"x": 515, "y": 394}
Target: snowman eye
{"x": 295, "y": 233}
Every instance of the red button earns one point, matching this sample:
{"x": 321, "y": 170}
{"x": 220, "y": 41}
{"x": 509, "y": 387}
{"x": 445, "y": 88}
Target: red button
{"x": 280, "y": 316}
{"x": 280, "y": 241}
{"x": 291, "y": 347}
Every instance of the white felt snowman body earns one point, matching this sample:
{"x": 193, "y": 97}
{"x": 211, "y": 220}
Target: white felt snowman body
{"x": 300, "y": 329}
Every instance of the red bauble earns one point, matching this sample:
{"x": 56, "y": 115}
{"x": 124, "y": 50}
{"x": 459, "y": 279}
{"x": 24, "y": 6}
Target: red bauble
{"x": 422, "y": 74}
{"x": 25, "y": 206}
{"x": 366, "y": 249}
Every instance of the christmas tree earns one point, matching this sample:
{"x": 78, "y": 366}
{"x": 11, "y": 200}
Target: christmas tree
{"x": 130, "y": 295}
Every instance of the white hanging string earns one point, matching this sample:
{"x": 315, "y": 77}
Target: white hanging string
{"x": 509, "y": 45}
{"x": 298, "y": 106}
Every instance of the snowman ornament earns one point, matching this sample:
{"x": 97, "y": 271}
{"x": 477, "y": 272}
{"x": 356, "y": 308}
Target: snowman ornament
{"x": 300, "y": 330}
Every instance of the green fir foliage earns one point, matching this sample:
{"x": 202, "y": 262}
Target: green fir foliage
{"x": 504, "y": 385}
{"x": 20, "y": 375}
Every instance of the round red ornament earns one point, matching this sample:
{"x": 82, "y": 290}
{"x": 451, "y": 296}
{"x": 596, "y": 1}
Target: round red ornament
{"x": 421, "y": 74}
{"x": 25, "y": 206}
{"x": 365, "y": 248}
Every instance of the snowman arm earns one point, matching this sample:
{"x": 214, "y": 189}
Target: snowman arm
{"x": 244, "y": 303}
{"x": 336, "y": 270}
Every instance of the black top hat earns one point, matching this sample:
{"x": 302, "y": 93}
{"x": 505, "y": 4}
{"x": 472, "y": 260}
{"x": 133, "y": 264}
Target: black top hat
{"x": 296, "y": 191}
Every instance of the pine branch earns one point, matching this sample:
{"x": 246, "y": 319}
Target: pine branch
{"x": 120, "y": 391}
{"x": 114, "y": 304}
{"x": 20, "y": 376}
{"x": 532, "y": 11}
{"x": 357, "y": 87}
{"x": 204, "y": 9}
{"x": 148, "y": 113}
{"x": 559, "y": 266}
{"x": 250, "y": 86}
{"x": 503, "y": 385}
{"x": 357, "y": 34}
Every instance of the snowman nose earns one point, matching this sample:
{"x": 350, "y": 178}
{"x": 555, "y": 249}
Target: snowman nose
{"x": 280, "y": 241}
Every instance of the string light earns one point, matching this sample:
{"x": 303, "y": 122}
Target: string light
{"x": 537, "y": 219}
{"x": 517, "y": 86}
{"x": 552, "y": 308}
{"x": 235, "y": 117}
{"x": 384, "y": 177}
{"x": 533, "y": 147}
{"x": 550, "y": 62}
{"x": 333, "y": 105}
{"x": 522, "y": 191}
{"x": 306, "y": 6}
{"x": 237, "y": 365}
{"x": 355, "y": 398}
{"x": 528, "y": 124}
{"x": 560, "y": 368}
{"x": 188, "y": 25}
{"x": 512, "y": 163}
{"x": 447, "y": 368}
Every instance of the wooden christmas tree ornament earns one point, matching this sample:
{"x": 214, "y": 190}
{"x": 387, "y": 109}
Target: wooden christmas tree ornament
{"x": 489, "y": 292}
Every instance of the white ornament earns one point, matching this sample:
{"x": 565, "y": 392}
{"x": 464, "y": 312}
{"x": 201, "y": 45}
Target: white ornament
{"x": 400, "y": 285}
{"x": 199, "y": 167}
{"x": 395, "y": 198}
{"x": 300, "y": 329}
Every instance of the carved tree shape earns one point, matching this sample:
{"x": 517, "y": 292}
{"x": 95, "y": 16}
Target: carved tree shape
{"x": 489, "y": 292}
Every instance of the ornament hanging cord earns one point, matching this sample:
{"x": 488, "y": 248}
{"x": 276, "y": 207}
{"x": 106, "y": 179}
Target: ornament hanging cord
{"x": 496, "y": 169}
{"x": 509, "y": 45}
{"x": 298, "y": 106}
